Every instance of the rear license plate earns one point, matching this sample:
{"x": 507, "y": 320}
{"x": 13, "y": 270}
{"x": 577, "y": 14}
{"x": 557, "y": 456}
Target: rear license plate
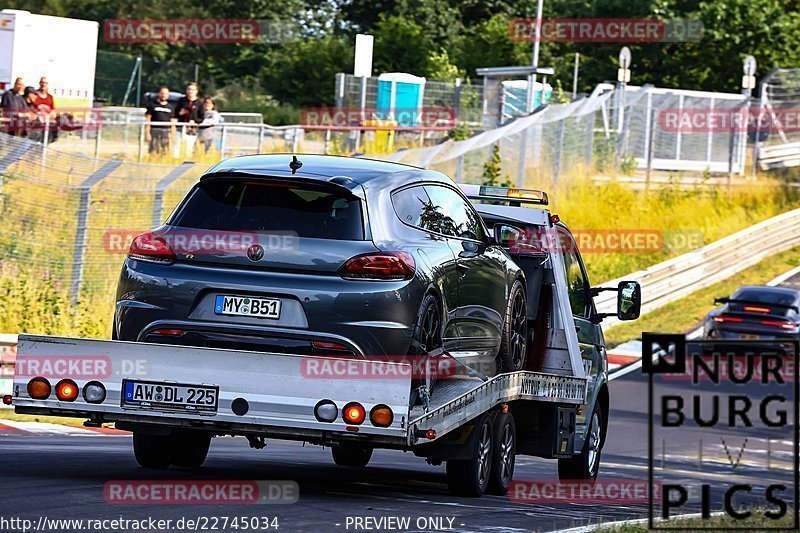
{"x": 750, "y": 337}
{"x": 246, "y": 306}
{"x": 172, "y": 396}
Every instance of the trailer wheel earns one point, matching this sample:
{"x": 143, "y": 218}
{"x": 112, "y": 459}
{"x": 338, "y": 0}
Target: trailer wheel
{"x": 151, "y": 451}
{"x": 189, "y": 448}
{"x": 585, "y": 465}
{"x": 470, "y": 477}
{"x": 351, "y": 455}
{"x": 503, "y": 455}
{"x": 514, "y": 345}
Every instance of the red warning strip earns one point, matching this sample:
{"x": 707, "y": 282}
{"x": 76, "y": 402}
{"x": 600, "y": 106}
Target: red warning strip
{"x": 8, "y": 431}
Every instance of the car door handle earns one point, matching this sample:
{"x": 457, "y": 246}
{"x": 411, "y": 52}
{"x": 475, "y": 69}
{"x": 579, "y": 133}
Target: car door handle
{"x": 462, "y": 269}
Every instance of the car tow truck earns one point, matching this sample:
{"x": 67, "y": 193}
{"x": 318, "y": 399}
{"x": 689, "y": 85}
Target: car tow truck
{"x": 556, "y": 408}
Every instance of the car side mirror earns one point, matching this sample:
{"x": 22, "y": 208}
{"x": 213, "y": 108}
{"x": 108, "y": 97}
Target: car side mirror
{"x": 505, "y": 235}
{"x": 629, "y": 300}
{"x": 471, "y": 249}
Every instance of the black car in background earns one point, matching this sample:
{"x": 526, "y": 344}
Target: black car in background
{"x": 755, "y": 313}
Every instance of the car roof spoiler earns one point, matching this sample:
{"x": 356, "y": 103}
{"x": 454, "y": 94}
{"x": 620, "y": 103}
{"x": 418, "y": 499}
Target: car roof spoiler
{"x": 726, "y": 300}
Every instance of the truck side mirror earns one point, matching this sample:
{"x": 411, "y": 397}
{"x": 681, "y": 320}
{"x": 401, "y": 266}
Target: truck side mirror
{"x": 505, "y": 235}
{"x": 629, "y": 300}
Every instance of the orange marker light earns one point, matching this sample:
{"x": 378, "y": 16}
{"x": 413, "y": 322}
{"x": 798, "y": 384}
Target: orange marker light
{"x": 39, "y": 388}
{"x": 381, "y": 416}
{"x": 354, "y": 413}
{"x": 66, "y": 390}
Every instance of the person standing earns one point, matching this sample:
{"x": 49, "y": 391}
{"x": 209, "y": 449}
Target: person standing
{"x": 190, "y": 112}
{"x": 15, "y": 109}
{"x": 159, "y": 110}
{"x": 211, "y": 117}
{"x": 43, "y": 100}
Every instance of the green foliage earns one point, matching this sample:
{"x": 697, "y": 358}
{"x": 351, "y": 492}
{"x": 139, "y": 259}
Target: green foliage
{"x": 493, "y": 170}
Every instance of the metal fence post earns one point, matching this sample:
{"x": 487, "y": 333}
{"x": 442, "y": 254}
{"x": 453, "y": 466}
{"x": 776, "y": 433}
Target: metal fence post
{"x": 559, "y": 150}
{"x": 223, "y": 145}
{"x": 523, "y": 157}
{"x": 161, "y": 186}
{"x": 460, "y": 169}
{"x": 260, "y": 138}
{"x": 141, "y": 142}
{"x": 79, "y": 252}
{"x": 590, "y": 117}
{"x": 294, "y": 140}
{"x": 650, "y": 146}
{"x": 98, "y": 135}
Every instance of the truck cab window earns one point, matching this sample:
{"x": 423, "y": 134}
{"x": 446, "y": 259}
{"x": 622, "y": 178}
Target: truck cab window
{"x": 577, "y": 287}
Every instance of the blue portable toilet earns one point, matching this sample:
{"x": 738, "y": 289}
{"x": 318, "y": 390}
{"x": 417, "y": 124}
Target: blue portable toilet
{"x": 515, "y": 97}
{"x": 400, "y": 98}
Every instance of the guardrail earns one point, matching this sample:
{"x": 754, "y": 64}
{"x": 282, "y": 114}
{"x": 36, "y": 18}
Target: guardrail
{"x": 677, "y": 277}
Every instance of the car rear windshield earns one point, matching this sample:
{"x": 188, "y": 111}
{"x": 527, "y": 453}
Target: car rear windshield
{"x": 229, "y": 205}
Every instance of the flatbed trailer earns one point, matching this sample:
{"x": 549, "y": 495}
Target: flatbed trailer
{"x": 557, "y": 408}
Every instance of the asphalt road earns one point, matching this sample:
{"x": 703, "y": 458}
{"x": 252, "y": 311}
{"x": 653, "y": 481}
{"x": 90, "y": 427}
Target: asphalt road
{"x": 64, "y": 477}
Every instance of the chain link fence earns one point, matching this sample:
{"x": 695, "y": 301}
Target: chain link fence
{"x": 612, "y": 131}
{"x": 776, "y": 135}
{"x": 72, "y": 214}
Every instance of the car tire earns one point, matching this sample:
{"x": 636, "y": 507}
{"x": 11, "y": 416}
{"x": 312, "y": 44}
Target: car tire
{"x": 470, "y": 477}
{"x": 351, "y": 455}
{"x": 427, "y": 339}
{"x": 513, "y": 353}
{"x": 504, "y": 449}
{"x": 585, "y": 465}
{"x": 188, "y": 448}
{"x": 151, "y": 451}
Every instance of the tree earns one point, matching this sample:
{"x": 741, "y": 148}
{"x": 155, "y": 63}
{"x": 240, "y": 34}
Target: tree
{"x": 492, "y": 170}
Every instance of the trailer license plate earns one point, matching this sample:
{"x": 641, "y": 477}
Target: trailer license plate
{"x": 246, "y": 306}
{"x": 172, "y": 396}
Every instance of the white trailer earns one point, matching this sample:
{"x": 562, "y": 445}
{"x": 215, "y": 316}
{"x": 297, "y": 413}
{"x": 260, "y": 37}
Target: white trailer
{"x": 475, "y": 423}
{"x": 61, "y": 49}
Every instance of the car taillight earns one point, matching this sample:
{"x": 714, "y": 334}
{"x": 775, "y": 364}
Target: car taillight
{"x": 379, "y": 266}
{"x": 727, "y": 319}
{"x": 150, "y": 247}
{"x": 780, "y": 323}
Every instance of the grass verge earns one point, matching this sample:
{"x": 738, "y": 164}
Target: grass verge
{"x": 683, "y": 314}
{"x": 720, "y": 523}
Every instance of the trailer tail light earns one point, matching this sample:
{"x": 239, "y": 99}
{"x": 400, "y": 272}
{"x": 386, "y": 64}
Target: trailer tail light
{"x": 381, "y": 416}
{"x": 66, "y": 390}
{"x": 7, "y": 399}
{"x": 326, "y": 411}
{"x": 354, "y": 413}
{"x": 39, "y": 388}
{"x": 94, "y": 392}
{"x": 379, "y": 266}
{"x": 150, "y": 247}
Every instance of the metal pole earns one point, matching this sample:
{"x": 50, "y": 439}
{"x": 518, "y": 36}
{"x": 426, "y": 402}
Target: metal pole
{"x": 79, "y": 251}
{"x": 559, "y": 150}
{"x": 294, "y": 140}
{"x": 575, "y": 76}
{"x": 97, "y": 138}
{"x": 161, "y": 186}
{"x": 142, "y": 128}
{"x": 223, "y": 145}
{"x": 650, "y": 146}
{"x": 260, "y": 138}
{"x": 460, "y": 169}
{"x": 537, "y": 39}
{"x": 139, "y": 82}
